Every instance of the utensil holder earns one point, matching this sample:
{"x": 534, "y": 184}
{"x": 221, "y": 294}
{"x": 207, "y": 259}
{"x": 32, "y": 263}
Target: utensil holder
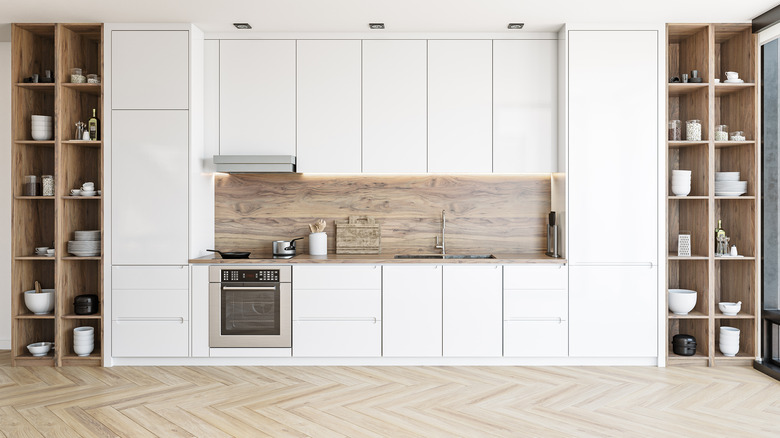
{"x": 318, "y": 243}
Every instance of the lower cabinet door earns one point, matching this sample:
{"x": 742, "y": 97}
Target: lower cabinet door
{"x": 548, "y": 338}
{"x": 337, "y": 338}
{"x": 163, "y": 337}
{"x": 411, "y": 311}
{"x": 472, "y": 316}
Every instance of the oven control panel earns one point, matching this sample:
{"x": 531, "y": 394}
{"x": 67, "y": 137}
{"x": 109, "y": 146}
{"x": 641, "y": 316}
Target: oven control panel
{"x": 249, "y": 275}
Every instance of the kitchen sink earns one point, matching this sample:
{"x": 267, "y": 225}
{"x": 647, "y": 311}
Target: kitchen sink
{"x": 445, "y": 256}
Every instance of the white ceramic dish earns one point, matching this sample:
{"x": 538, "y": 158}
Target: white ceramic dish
{"x": 734, "y": 81}
{"x": 88, "y": 193}
{"x": 83, "y": 350}
{"x": 727, "y": 176}
{"x": 39, "y": 349}
{"x": 729, "y": 308}
{"x": 682, "y": 301}
{"x": 39, "y": 303}
{"x": 730, "y": 193}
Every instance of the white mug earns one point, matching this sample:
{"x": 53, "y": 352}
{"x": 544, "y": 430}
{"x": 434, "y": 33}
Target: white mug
{"x": 732, "y": 75}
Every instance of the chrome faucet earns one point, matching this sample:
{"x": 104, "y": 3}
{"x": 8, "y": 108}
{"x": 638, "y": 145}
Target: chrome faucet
{"x": 443, "y": 225}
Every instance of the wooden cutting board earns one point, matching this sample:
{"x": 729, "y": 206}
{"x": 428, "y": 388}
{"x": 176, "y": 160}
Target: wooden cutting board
{"x": 358, "y": 235}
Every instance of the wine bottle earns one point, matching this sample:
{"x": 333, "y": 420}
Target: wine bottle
{"x": 94, "y": 126}
{"x": 719, "y": 231}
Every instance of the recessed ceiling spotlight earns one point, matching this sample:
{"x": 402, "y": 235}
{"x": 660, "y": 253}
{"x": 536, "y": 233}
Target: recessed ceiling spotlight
{"x": 515, "y": 25}
{"x": 242, "y": 26}
{"x": 376, "y": 25}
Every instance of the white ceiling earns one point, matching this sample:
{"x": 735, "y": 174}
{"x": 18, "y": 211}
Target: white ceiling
{"x": 399, "y": 15}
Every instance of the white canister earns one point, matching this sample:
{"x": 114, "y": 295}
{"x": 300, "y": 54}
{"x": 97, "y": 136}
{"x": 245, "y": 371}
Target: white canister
{"x": 318, "y": 243}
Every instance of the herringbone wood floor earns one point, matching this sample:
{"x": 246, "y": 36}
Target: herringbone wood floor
{"x": 387, "y": 401}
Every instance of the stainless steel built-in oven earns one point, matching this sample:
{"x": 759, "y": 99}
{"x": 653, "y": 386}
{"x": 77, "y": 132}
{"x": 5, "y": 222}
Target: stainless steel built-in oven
{"x": 250, "y": 306}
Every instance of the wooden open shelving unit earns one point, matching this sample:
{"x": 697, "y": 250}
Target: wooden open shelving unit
{"x": 52, "y": 220}
{"x": 713, "y": 49}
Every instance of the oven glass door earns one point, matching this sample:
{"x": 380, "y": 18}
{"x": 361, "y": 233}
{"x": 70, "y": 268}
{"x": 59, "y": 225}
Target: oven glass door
{"x": 251, "y": 310}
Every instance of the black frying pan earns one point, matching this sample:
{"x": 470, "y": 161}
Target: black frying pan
{"x": 231, "y": 255}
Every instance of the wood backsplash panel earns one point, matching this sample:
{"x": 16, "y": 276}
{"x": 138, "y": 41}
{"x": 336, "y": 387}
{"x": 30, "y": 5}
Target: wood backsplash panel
{"x": 485, "y": 214}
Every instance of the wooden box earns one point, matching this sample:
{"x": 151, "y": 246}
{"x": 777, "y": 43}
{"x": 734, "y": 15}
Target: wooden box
{"x": 358, "y": 235}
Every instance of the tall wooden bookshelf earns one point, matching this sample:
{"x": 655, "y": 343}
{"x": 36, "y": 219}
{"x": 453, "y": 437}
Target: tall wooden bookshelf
{"x": 51, "y": 220}
{"x": 714, "y": 49}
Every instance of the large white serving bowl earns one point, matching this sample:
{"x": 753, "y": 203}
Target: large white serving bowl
{"x": 39, "y": 303}
{"x": 682, "y": 301}
{"x": 730, "y": 309}
{"x": 40, "y": 348}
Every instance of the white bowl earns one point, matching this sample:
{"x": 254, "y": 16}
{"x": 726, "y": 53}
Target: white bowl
{"x": 41, "y": 136}
{"x": 39, "y": 303}
{"x": 729, "y": 350}
{"x": 83, "y": 350}
{"x": 730, "y": 309}
{"x": 682, "y": 301}
{"x": 40, "y": 348}
{"x": 681, "y": 172}
{"x": 681, "y": 190}
{"x": 726, "y": 331}
{"x": 84, "y": 330}
{"x": 726, "y": 176}
{"x": 90, "y": 343}
{"x": 84, "y": 336}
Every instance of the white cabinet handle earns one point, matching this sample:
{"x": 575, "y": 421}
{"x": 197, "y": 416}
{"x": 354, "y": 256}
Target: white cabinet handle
{"x": 559, "y": 320}
{"x": 149, "y": 320}
{"x": 179, "y": 267}
{"x": 345, "y": 319}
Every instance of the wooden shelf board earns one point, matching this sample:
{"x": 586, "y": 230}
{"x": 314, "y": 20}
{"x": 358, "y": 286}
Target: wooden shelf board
{"x": 82, "y": 258}
{"x": 722, "y": 88}
{"x": 749, "y": 197}
{"x": 693, "y": 314}
{"x": 33, "y": 316}
{"x": 720, "y": 315}
{"x": 696, "y": 360}
{"x": 687, "y": 197}
{"x": 91, "y": 143}
{"x": 82, "y": 197}
{"x": 728, "y": 144}
{"x": 44, "y": 143}
{"x": 74, "y": 316}
{"x": 84, "y": 88}
{"x": 35, "y": 257}
{"x": 685, "y": 144}
{"x": 46, "y": 88}
{"x": 28, "y": 360}
{"x": 732, "y": 259}
{"x": 72, "y": 356}
{"x": 694, "y": 257}
{"x": 679, "y": 88}
{"x": 34, "y": 197}
{"x": 740, "y": 357}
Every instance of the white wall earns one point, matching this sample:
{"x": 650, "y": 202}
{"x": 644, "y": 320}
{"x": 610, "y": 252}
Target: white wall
{"x": 5, "y": 195}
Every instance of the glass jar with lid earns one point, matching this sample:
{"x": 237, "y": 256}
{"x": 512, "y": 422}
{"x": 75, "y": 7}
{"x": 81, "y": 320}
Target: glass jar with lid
{"x": 675, "y": 130}
{"x": 721, "y": 133}
{"x": 693, "y": 130}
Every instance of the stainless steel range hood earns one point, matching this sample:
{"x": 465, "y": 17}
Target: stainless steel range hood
{"x": 255, "y": 163}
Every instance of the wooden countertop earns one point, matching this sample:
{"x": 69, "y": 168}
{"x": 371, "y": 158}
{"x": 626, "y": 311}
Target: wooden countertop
{"x": 502, "y": 259}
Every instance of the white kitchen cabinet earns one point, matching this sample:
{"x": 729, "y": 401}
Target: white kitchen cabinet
{"x": 472, "y": 311}
{"x": 150, "y": 176}
{"x": 613, "y": 311}
{"x": 525, "y": 112}
{"x": 149, "y": 69}
{"x": 395, "y": 106}
{"x": 329, "y": 112}
{"x": 412, "y": 311}
{"x": 337, "y": 311}
{"x": 199, "y": 318}
{"x": 613, "y": 147}
{"x": 460, "y": 101}
{"x": 150, "y": 311}
{"x": 257, "y": 97}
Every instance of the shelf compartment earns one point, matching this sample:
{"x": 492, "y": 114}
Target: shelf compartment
{"x": 689, "y": 215}
{"x": 696, "y": 159}
{"x": 736, "y": 281}
{"x": 33, "y": 225}
{"x": 79, "y": 278}
{"x": 742, "y": 159}
{"x": 699, "y": 329}
{"x": 81, "y": 216}
{"x": 79, "y": 165}
{"x": 737, "y": 110}
{"x": 694, "y": 275}
{"x": 35, "y": 54}
{"x": 31, "y": 160}
{"x": 738, "y": 218}
{"x": 691, "y": 106}
{"x": 28, "y": 102}
{"x": 747, "y": 328}
{"x": 688, "y": 49}
{"x": 80, "y": 107}
{"x": 29, "y": 331}
{"x": 67, "y": 355}
{"x": 735, "y": 51}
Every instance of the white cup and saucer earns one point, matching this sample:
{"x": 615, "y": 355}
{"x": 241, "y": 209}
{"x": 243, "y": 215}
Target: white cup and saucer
{"x": 41, "y": 250}
{"x": 88, "y": 189}
{"x": 732, "y": 77}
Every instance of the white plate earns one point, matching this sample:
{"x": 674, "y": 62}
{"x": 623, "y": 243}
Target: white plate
{"x": 735, "y": 81}
{"x": 729, "y": 193}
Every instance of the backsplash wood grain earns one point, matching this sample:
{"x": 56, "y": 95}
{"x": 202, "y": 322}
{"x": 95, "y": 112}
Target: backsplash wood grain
{"x": 485, "y": 213}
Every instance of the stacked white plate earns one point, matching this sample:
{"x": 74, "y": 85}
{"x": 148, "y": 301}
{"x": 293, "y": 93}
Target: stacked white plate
{"x": 42, "y": 127}
{"x": 728, "y": 184}
{"x": 681, "y": 182}
{"x": 87, "y": 243}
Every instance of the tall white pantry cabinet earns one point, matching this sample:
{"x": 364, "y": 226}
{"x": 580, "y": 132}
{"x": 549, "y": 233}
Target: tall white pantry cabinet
{"x": 158, "y": 193}
{"x": 613, "y": 193}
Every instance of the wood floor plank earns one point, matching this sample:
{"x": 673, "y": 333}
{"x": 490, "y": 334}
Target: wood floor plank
{"x": 119, "y": 423}
{"x": 14, "y": 424}
{"x": 47, "y": 423}
{"x": 154, "y": 422}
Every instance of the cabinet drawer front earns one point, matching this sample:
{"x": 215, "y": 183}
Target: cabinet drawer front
{"x": 337, "y": 339}
{"x": 536, "y": 277}
{"x": 536, "y": 304}
{"x": 144, "y": 303}
{"x": 162, "y": 338}
{"x": 337, "y": 277}
{"x": 536, "y": 339}
{"x": 150, "y": 277}
{"x": 337, "y": 304}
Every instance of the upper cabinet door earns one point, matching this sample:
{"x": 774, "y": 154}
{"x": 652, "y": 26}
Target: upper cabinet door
{"x": 525, "y": 96}
{"x": 394, "y": 106}
{"x": 329, "y": 112}
{"x": 150, "y": 174}
{"x": 150, "y": 69}
{"x": 257, "y": 97}
{"x": 460, "y": 101}
{"x": 613, "y": 147}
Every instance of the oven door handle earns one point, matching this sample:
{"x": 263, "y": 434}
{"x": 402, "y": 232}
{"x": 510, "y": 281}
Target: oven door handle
{"x": 249, "y": 288}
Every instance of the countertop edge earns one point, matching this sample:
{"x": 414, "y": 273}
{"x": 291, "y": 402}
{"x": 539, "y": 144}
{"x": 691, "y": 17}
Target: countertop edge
{"x": 501, "y": 259}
